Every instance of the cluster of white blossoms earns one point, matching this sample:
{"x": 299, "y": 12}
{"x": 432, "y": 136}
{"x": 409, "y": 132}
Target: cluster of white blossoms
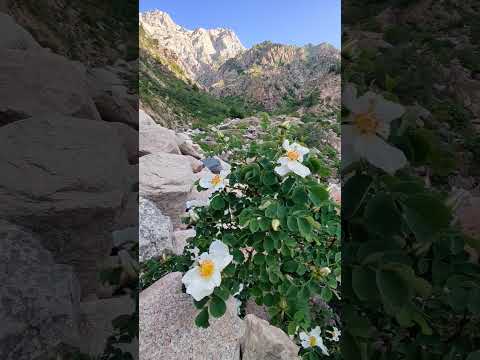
{"x": 367, "y": 128}
{"x": 205, "y": 276}
{"x": 292, "y": 161}
{"x": 313, "y": 339}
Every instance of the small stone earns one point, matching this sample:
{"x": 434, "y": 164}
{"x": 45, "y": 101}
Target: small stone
{"x": 263, "y": 341}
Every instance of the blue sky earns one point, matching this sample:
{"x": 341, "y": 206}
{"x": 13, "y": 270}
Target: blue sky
{"x": 295, "y": 22}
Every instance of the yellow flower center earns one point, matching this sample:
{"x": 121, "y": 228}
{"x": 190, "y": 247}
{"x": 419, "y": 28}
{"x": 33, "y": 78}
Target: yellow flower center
{"x": 293, "y": 155}
{"x": 206, "y": 268}
{"x": 216, "y": 180}
{"x": 312, "y": 341}
{"x": 366, "y": 123}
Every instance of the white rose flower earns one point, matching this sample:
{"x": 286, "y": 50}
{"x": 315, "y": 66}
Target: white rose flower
{"x": 215, "y": 181}
{"x": 335, "y": 334}
{"x": 367, "y": 128}
{"x": 312, "y": 339}
{"x": 292, "y": 162}
{"x": 202, "y": 279}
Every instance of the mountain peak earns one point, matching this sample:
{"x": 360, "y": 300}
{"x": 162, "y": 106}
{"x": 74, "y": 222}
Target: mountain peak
{"x": 200, "y": 51}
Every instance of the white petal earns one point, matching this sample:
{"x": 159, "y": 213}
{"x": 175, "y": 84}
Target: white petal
{"x": 364, "y": 103}
{"x": 380, "y": 154}
{"x": 222, "y": 261}
{"x": 300, "y": 149}
{"x": 219, "y": 187}
{"x": 224, "y": 173}
{"x": 218, "y": 248}
{"x": 322, "y": 346}
{"x": 206, "y": 181}
{"x": 349, "y": 96}
{"x": 286, "y": 144}
{"x": 298, "y": 168}
{"x": 349, "y": 155}
{"x": 189, "y": 276}
{"x": 386, "y": 111}
{"x": 306, "y": 344}
{"x": 303, "y": 336}
{"x": 196, "y": 285}
{"x": 316, "y": 331}
{"x": 349, "y": 134}
{"x": 283, "y": 160}
{"x": 282, "y": 170}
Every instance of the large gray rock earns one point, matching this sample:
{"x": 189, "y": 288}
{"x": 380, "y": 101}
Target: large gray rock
{"x": 168, "y": 330}
{"x": 36, "y": 83}
{"x": 15, "y": 37}
{"x": 157, "y": 139}
{"x": 156, "y": 232}
{"x": 167, "y": 180}
{"x": 145, "y": 120}
{"x": 263, "y": 341}
{"x": 117, "y": 109}
{"x": 40, "y": 299}
{"x": 96, "y": 324}
{"x": 65, "y": 178}
{"x": 129, "y": 138}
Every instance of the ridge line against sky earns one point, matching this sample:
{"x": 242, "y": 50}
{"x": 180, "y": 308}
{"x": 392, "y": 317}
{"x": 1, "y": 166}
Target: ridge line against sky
{"x": 289, "y": 22}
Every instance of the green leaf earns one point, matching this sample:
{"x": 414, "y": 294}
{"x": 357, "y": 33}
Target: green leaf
{"x": 363, "y": 283}
{"x": 200, "y": 304}
{"x": 202, "y": 319}
{"x": 217, "y": 307}
{"x": 259, "y": 259}
{"x": 290, "y": 266}
{"x": 254, "y": 226}
{"x": 354, "y": 193}
{"x": 269, "y": 179}
{"x": 474, "y": 355}
{"x": 269, "y": 244}
{"x": 382, "y": 217}
{"x": 305, "y": 227}
{"x": 318, "y": 195}
{"x": 217, "y": 203}
{"x": 393, "y": 288}
{"x": 426, "y": 215}
{"x": 222, "y": 293}
{"x": 299, "y": 196}
{"x": 271, "y": 211}
{"x": 268, "y": 299}
{"x": 292, "y": 223}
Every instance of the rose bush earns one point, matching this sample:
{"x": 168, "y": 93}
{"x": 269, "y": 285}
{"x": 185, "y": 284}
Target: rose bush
{"x": 276, "y": 219}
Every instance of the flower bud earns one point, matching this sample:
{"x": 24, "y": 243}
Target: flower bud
{"x": 275, "y": 224}
{"x": 324, "y": 271}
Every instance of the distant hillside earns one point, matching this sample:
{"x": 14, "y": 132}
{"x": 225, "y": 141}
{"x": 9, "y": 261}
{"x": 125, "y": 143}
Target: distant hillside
{"x": 281, "y": 76}
{"x": 174, "y": 100}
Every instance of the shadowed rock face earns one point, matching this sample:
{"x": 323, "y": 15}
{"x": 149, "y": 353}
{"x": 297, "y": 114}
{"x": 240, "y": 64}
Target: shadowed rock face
{"x": 65, "y": 178}
{"x": 39, "y": 299}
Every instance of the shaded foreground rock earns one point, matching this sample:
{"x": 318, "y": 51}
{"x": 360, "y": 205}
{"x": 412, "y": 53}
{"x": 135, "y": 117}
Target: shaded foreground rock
{"x": 263, "y": 341}
{"x": 168, "y": 331}
{"x": 81, "y": 177}
{"x": 96, "y": 324}
{"x": 38, "y": 82}
{"x": 156, "y": 232}
{"x": 40, "y": 299}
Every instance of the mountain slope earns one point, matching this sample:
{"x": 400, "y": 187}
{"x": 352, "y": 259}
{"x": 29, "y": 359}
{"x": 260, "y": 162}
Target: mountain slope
{"x": 199, "y": 51}
{"x": 172, "y": 98}
{"x": 272, "y": 74}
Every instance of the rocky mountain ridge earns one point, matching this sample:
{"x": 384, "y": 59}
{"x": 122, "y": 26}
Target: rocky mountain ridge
{"x": 199, "y": 51}
{"x": 276, "y": 77}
